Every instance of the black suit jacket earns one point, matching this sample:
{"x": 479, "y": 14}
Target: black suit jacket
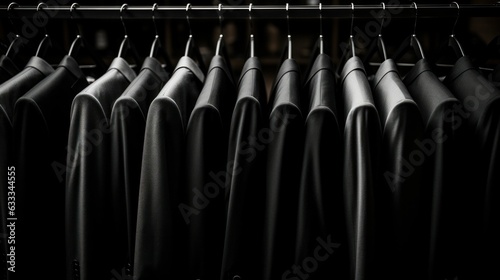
{"x": 362, "y": 138}
{"x": 399, "y": 219}
{"x": 161, "y": 227}
{"x": 41, "y": 125}
{"x": 7, "y": 68}
{"x": 206, "y": 146}
{"x": 479, "y": 145}
{"x": 283, "y": 171}
{"x": 437, "y": 152}
{"x": 321, "y": 200}
{"x": 94, "y": 240}
{"x": 128, "y": 124}
{"x": 244, "y": 192}
{"x": 10, "y": 91}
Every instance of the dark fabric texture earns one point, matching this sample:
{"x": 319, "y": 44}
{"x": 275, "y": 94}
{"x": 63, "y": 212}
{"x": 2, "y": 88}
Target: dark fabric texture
{"x": 93, "y": 236}
{"x": 160, "y": 224}
{"x": 10, "y": 91}
{"x": 244, "y": 193}
{"x": 207, "y": 139}
{"x": 284, "y": 155}
{"x": 478, "y": 130}
{"x": 41, "y": 125}
{"x": 321, "y": 215}
{"x": 437, "y": 153}
{"x": 7, "y": 68}
{"x": 362, "y": 141}
{"x": 128, "y": 124}
{"x": 399, "y": 199}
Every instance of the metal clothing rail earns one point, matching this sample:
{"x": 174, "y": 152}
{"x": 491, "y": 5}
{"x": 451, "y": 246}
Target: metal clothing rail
{"x": 258, "y": 11}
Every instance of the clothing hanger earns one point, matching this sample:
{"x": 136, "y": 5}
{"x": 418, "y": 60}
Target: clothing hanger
{"x": 252, "y": 42}
{"x": 127, "y": 45}
{"x": 411, "y": 42}
{"x": 191, "y": 45}
{"x": 287, "y": 53}
{"x": 220, "y": 42}
{"x": 351, "y": 47}
{"x": 79, "y": 43}
{"x": 18, "y": 43}
{"x": 320, "y": 39}
{"x": 221, "y": 48}
{"x": 157, "y": 46}
{"x": 289, "y": 34}
{"x": 451, "y": 44}
{"x": 46, "y": 43}
{"x": 318, "y": 46}
{"x": 350, "y": 51}
{"x": 452, "y": 40}
{"x": 378, "y": 44}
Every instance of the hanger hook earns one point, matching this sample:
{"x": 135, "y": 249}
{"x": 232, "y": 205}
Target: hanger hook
{"x": 321, "y": 48}
{"x": 71, "y": 9}
{"x": 155, "y": 6}
{"x": 456, "y": 20}
{"x": 287, "y": 19}
{"x": 352, "y": 17}
{"x": 38, "y": 9}
{"x": 320, "y": 20}
{"x": 289, "y": 34}
{"x": 188, "y": 7}
{"x": 250, "y": 18}
{"x": 252, "y": 45}
{"x": 383, "y": 18}
{"x": 12, "y": 8}
{"x": 416, "y": 17}
{"x": 123, "y": 7}
{"x": 12, "y": 4}
{"x": 220, "y": 18}
{"x": 9, "y": 8}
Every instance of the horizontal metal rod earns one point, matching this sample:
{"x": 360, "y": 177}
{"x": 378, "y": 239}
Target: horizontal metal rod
{"x": 258, "y": 11}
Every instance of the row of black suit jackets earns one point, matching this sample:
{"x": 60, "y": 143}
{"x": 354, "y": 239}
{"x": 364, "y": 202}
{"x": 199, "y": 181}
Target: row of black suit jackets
{"x": 185, "y": 176}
